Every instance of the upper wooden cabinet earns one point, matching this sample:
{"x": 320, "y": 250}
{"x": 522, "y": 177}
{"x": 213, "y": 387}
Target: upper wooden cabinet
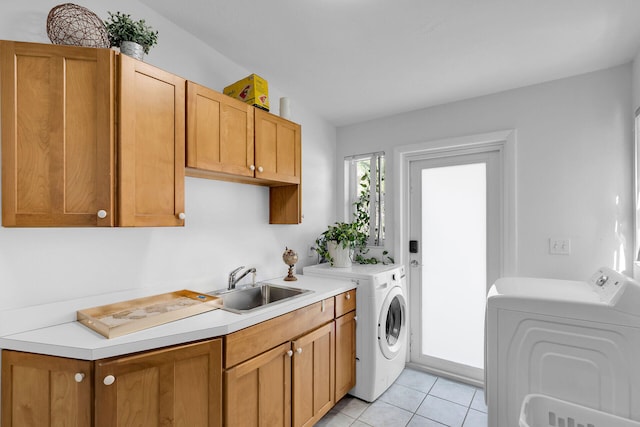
{"x": 57, "y": 135}
{"x": 226, "y": 135}
{"x": 67, "y": 114}
{"x": 277, "y": 148}
{"x": 233, "y": 141}
{"x": 151, "y": 145}
{"x": 219, "y": 132}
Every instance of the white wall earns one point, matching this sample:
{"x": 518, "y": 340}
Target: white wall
{"x": 574, "y": 164}
{"x": 227, "y": 224}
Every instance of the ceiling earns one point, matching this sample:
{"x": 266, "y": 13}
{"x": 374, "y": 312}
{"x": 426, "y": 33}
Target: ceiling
{"x": 357, "y": 60}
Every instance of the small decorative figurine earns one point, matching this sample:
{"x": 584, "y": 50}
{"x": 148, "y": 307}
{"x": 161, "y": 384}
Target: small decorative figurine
{"x": 290, "y": 257}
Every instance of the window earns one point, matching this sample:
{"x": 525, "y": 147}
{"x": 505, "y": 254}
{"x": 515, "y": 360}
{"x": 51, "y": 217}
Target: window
{"x": 366, "y": 183}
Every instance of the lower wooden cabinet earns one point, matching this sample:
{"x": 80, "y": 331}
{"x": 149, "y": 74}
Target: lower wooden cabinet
{"x": 290, "y": 385}
{"x": 258, "y": 391}
{"x": 176, "y": 386}
{"x": 345, "y": 354}
{"x": 287, "y": 371}
{"x": 313, "y": 375}
{"x": 42, "y": 390}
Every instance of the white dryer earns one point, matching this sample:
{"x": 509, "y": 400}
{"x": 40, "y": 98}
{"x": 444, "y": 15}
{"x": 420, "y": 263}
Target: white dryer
{"x": 575, "y": 341}
{"x": 381, "y": 331}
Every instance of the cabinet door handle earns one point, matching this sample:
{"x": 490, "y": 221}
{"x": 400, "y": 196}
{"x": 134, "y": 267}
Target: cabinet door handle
{"x": 252, "y": 167}
{"x": 348, "y": 296}
{"x": 102, "y": 214}
{"x": 260, "y": 169}
{"x": 290, "y": 353}
{"x": 299, "y": 350}
{"x": 109, "y": 379}
{"x": 78, "y": 377}
{"x": 182, "y": 215}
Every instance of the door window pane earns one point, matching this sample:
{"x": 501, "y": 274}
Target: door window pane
{"x": 454, "y": 236}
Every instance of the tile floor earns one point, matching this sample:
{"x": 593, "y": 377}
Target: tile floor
{"x": 416, "y": 399}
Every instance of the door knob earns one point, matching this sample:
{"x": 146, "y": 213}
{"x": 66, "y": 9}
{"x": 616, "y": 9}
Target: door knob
{"x": 290, "y": 353}
{"x": 299, "y": 350}
{"x": 182, "y": 215}
{"x": 102, "y": 214}
{"x": 252, "y": 167}
{"x": 260, "y": 169}
{"x": 109, "y": 379}
{"x": 78, "y": 377}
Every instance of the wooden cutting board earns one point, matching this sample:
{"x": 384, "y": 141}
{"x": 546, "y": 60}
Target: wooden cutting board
{"x": 121, "y": 318}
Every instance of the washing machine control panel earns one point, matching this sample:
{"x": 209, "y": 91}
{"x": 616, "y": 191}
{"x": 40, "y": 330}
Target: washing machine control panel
{"x": 611, "y": 285}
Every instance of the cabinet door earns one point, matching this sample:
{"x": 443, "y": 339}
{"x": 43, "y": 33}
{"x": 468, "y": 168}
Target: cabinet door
{"x": 151, "y": 145}
{"x": 345, "y": 354}
{"x": 57, "y": 135}
{"x": 258, "y": 391}
{"x": 277, "y": 148}
{"x": 313, "y": 375}
{"x": 219, "y": 132}
{"x": 177, "y": 386}
{"x": 42, "y": 390}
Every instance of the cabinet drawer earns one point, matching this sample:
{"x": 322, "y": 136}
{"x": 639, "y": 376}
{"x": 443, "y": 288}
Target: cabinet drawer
{"x": 251, "y": 341}
{"x": 345, "y": 302}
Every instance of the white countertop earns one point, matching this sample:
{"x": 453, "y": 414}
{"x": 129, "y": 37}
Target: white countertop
{"x": 74, "y": 340}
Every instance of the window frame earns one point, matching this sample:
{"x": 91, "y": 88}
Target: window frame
{"x": 377, "y": 164}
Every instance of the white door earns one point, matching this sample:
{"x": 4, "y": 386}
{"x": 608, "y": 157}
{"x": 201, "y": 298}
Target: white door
{"x": 455, "y": 220}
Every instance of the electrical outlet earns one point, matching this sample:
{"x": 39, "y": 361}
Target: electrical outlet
{"x": 560, "y": 246}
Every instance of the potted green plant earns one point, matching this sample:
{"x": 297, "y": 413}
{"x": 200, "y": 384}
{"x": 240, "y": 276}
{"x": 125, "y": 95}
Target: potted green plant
{"x": 339, "y": 242}
{"x": 134, "y": 38}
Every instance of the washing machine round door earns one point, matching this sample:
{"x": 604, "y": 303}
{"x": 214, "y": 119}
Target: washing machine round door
{"x": 392, "y": 334}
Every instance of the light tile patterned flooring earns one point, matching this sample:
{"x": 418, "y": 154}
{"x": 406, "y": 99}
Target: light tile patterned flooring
{"x": 416, "y": 399}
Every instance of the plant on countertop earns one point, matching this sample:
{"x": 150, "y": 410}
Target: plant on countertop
{"x": 122, "y": 28}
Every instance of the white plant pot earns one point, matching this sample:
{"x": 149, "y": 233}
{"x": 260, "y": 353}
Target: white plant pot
{"x": 341, "y": 256}
{"x": 132, "y": 49}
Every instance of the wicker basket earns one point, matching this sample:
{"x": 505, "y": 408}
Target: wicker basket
{"x": 74, "y": 25}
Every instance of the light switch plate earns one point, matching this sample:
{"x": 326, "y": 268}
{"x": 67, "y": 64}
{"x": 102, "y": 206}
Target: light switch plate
{"x": 559, "y": 246}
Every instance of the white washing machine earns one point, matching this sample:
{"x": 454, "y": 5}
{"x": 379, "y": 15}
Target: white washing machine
{"x": 381, "y": 331}
{"x": 575, "y": 341}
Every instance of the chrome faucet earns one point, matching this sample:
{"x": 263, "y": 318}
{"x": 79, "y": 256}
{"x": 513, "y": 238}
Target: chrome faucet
{"x": 232, "y": 276}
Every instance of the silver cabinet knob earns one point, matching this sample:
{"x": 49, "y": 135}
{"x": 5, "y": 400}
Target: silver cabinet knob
{"x": 182, "y": 215}
{"x": 252, "y": 167}
{"x": 78, "y": 377}
{"x": 348, "y": 296}
{"x": 290, "y": 353}
{"x": 299, "y": 350}
{"x": 102, "y": 214}
{"x": 260, "y": 169}
{"x": 109, "y": 379}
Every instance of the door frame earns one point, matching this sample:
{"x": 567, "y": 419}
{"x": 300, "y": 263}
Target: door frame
{"x": 504, "y": 142}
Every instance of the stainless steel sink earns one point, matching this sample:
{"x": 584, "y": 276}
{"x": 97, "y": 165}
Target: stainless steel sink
{"x": 254, "y": 297}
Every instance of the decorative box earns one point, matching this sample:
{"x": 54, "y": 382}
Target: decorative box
{"x": 252, "y": 89}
